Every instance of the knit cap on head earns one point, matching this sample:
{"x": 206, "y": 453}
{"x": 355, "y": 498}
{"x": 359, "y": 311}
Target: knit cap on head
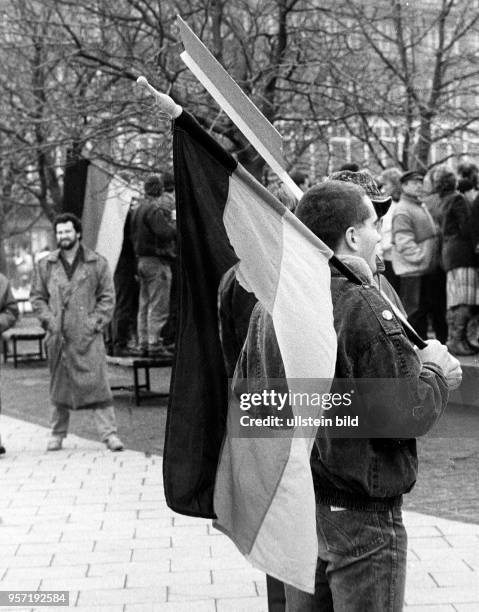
{"x": 154, "y": 185}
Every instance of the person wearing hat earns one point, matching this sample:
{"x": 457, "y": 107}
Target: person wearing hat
{"x": 153, "y": 233}
{"x": 415, "y": 256}
{"x": 381, "y": 201}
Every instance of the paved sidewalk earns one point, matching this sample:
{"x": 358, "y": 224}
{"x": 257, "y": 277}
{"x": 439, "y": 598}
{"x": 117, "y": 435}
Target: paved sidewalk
{"x": 96, "y": 524}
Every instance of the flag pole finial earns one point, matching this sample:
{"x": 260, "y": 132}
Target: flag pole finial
{"x": 167, "y": 104}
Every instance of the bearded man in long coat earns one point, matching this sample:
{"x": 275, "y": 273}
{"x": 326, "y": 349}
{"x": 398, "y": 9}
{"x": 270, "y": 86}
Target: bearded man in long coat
{"x": 73, "y": 297}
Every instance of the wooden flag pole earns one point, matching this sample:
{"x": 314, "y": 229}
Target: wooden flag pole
{"x": 263, "y": 136}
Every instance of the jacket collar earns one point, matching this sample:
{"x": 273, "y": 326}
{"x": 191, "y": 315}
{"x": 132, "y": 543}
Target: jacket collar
{"x": 410, "y": 199}
{"x": 88, "y": 255}
{"x": 358, "y": 265}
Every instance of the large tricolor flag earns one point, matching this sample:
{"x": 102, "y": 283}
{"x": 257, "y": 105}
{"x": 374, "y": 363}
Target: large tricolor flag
{"x": 101, "y": 200}
{"x": 225, "y": 215}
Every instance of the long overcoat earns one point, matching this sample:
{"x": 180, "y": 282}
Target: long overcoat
{"x": 458, "y": 242}
{"x": 74, "y": 313}
{"x": 8, "y": 305}
{"x": 8, "y": 308}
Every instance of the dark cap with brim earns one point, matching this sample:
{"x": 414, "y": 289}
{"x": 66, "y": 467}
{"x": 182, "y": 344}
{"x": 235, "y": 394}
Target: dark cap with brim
{"x": 364, "y": 180}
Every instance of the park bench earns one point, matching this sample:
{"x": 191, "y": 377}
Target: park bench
{"x": 15, "y": 336}
{"x": 136, "y": 364}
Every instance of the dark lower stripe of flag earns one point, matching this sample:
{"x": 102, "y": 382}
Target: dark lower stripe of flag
{"x": 74, "y": 186}
{"x": 198, "y": 392}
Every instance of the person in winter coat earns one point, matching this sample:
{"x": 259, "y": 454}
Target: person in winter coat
{"x": 415, "y": 258}
{"x": 8, "y": 315}
{"x": 460, "y": 262}
{"x": 73, "y": 297}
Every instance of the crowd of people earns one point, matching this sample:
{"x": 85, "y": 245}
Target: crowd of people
{"x": 412, "y": 241}
{"x": 430, "y": 247}
{"x": 430, "y": 238}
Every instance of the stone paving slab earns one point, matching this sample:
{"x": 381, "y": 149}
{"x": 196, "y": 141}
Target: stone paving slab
{"x": 96, "y": 524}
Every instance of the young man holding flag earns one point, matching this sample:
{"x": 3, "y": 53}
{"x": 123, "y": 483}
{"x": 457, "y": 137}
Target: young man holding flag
{"x": 261, "y": 490}
{"x": 359, "y": 482}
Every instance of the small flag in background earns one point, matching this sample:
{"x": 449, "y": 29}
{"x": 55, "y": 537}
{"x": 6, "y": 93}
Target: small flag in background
{"x": 101, "y": 200}
{"x": 74, "y": 185}
{"x": 225, "y": 215}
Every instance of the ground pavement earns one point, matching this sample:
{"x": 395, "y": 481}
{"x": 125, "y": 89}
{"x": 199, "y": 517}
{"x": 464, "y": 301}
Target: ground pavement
{"x": 96, "y": 524}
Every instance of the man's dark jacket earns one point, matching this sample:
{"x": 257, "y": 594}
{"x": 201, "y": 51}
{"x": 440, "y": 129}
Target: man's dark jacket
{"x": 152, "y": 230}
{"x": 361, "y": 473}
{"x": 458, "y": 241}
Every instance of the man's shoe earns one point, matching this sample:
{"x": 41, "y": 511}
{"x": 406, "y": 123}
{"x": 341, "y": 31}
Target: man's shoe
{"x": 460, "y": 348}
{"x": 159, "y": 352}
{"x": 2, "y": 449}
{"x": 120, "y": 351}
{"x": 55, "y": 443}
{"x": 138, "y": 351}
{"x": 114, "y": 443}
{"x": 126, "y": 352}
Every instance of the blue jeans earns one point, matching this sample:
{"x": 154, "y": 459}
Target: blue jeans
{"x": 361, "y": 563}
{"x": 154, "y": 305}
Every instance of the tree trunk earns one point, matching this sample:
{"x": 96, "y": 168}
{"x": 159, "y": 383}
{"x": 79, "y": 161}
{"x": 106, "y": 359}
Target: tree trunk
{"x": 6, "y": 190}
{"x": 423, "y": 146}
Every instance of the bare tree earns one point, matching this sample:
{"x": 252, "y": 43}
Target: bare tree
{"x": 409, "y": 69}
{"x": 395, "y": 79}
{"x": 256, "y": 42}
